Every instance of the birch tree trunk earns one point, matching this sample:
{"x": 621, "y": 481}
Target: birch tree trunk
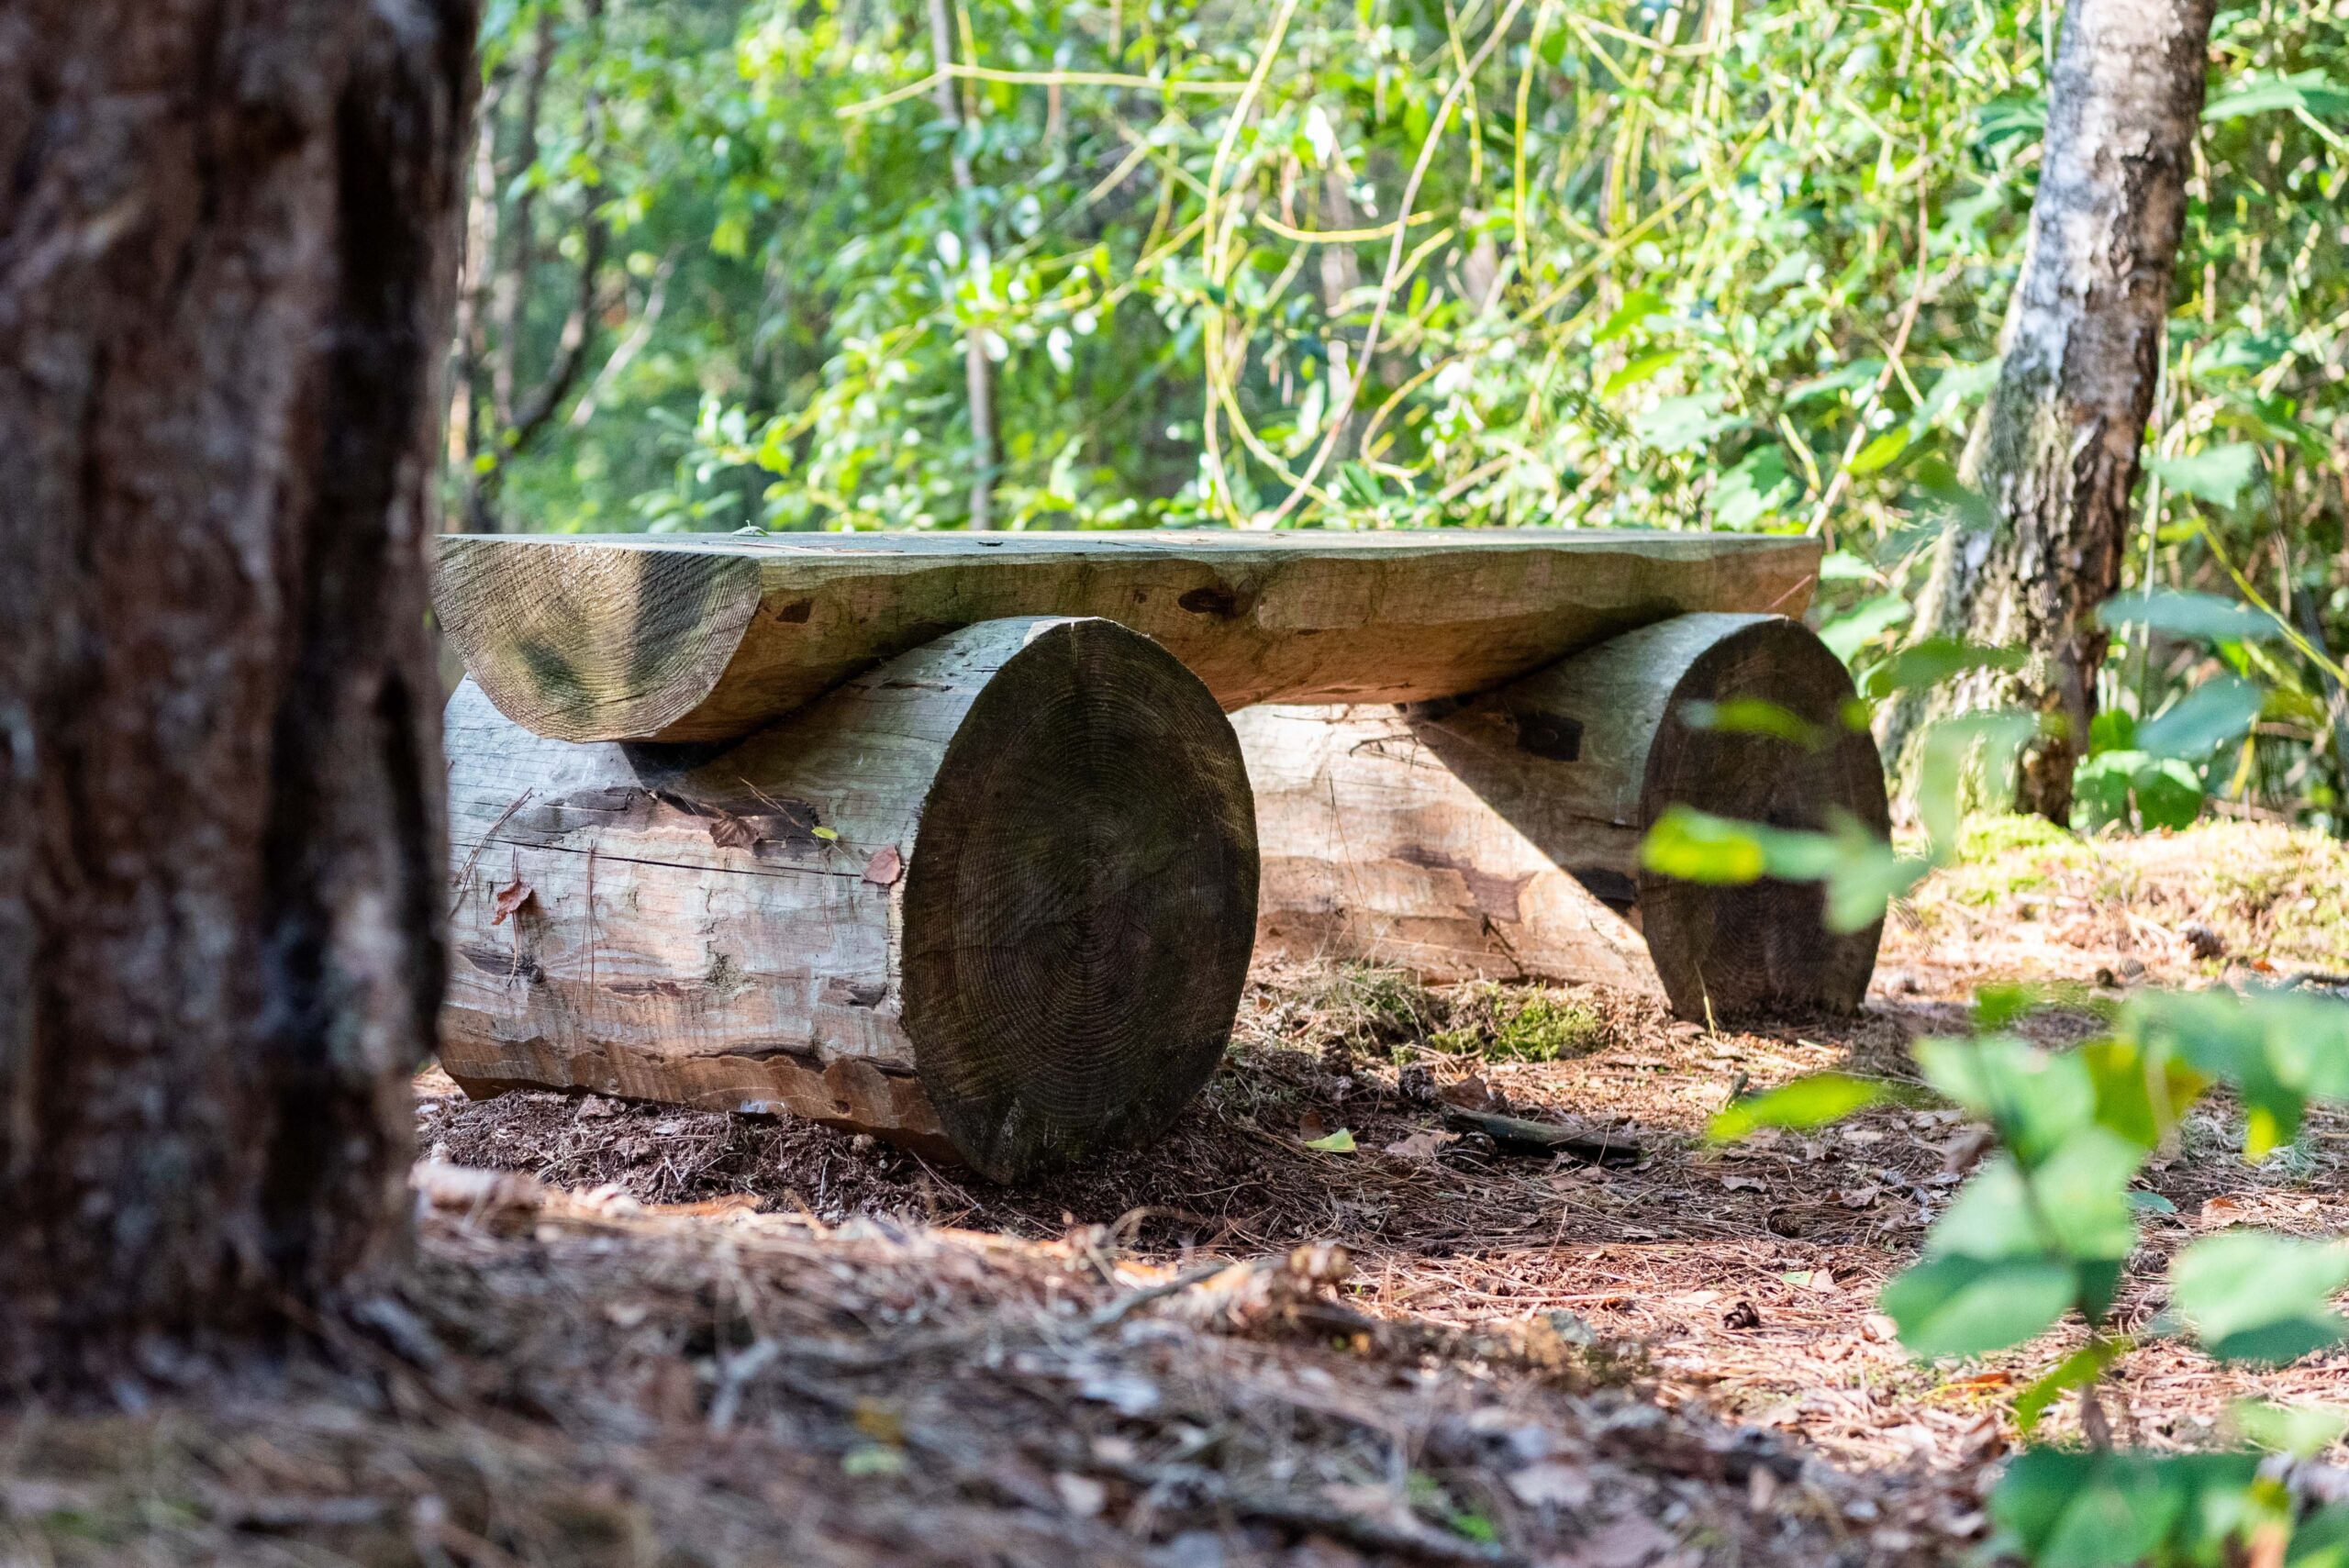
{"x": 226, "y": 252}
{"x": 2056, "y": 453}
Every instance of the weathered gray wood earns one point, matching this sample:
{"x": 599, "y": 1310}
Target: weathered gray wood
{"x": 1499, "y": 837}
{"x": 994, "y": 899}
{"x": 631, "y": 637}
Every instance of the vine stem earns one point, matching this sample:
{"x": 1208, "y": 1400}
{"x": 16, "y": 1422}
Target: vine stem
{"x": 1338, "y": 415}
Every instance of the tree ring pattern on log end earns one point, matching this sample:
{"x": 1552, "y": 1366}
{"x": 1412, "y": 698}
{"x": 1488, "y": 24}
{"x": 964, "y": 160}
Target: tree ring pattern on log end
{"x": 1763, "y": 946}
{"x": 1080, "y": 902}
{"x": 578, "y": 644}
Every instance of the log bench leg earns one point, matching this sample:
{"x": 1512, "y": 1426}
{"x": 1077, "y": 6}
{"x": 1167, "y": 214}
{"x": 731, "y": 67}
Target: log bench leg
{"x": 1498, "y": 836}
{"x": 993, "y": 899}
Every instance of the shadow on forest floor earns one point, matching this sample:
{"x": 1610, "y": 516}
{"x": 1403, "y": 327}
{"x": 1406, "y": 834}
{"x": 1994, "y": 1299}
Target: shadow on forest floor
{"x": 713, "y": 1339}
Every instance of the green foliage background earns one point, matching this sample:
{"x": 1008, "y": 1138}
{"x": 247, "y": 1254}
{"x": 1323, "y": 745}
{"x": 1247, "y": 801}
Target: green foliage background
{"x": 1718, "y": 263}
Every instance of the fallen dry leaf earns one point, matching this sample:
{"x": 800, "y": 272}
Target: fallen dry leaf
{"x": 883, "y": 868}
{"x": 1420, "y": 1145}
{"x": 510, "y": 899}
{"x": 1080, "y": 1495}
{"x": 1623, "y": 1543}
{"x": 1552, "y": 1485}
{"x": 1471, "y": 1093}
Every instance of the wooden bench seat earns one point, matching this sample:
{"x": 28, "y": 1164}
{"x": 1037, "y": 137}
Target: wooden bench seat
{"x": 949, "y": 837}
{"x": 674, "y": 638}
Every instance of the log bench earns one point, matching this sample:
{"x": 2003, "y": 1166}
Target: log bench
{"x": 948, "y": 837}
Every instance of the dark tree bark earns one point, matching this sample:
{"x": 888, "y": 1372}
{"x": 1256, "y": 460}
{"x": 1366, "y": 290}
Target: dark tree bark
{"x": 2056, "y": 453}
{"x": 225, "y": 249}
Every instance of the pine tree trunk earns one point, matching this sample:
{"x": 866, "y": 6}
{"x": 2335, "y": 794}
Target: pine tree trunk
{"x": 225, "y": 253}
{"x": 2057, "y": 454}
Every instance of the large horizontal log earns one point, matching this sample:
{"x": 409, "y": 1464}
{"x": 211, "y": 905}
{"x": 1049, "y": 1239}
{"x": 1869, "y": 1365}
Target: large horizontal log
{"x": 1500, "y": 837}
{"x": 636, "y": 638}
{"x": 994, "y": 899}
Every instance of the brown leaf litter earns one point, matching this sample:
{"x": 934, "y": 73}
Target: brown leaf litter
{"x": 669, "y": 1336}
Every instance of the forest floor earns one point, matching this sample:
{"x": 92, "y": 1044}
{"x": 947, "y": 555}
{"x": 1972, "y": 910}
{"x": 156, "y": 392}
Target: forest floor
{"x": 641, "y": 1335}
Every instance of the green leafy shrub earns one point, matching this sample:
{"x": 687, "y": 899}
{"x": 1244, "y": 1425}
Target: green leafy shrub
{"x": 2046, "y": 1225}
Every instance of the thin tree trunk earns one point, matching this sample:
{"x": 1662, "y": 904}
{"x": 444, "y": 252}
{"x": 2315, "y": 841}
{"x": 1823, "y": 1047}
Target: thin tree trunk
{"x": 226, "y": 257}
{"x": 2056, "y": 453}
{"x": 468, "y": 418}
{"x": 978, "y": 368}
{"x": 510, "y": 284}
{"x": 522, "y": 415}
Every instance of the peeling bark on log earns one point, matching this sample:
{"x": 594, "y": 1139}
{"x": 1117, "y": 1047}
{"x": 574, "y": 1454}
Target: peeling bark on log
{"x": 994, "y": 899}
{"x": 1498, "y": 838}
{"x": 628, "y": 638}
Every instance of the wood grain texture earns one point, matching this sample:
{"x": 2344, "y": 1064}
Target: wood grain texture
{"x": 1499, "y": 837}
{"x": 993, "y": 900}
{"x": 631, "y": 637}
{"x": 1375, "y": 850}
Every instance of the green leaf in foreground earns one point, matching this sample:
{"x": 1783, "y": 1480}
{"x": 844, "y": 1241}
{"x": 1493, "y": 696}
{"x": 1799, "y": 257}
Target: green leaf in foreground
{"x": 1338, "y": 1143}
{"x": 2220, "y": 710}
{"x": 1934, "y": 660}
{"x": 2254, "y": 1296}
{"x": 1806, "y": 1102}
{"x": 2183, "y": 613}
{"x": 1861, "y": 869}
{"x": 2301, "y": 1430}
{"x": 1971, "y": 1306}
{"x": 2078, "y": 1370}
{"x": 1752, "y": 716}
{"x": 1696, "y": 846}
{"x": 2216, "y": 474}
{"x": 2058, "y": 1508}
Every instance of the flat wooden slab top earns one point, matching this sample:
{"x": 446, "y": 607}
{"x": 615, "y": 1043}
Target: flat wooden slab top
{"x": 707, "y": 637}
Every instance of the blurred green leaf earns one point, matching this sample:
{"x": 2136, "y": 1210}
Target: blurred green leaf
{"x": 1637, "y": 306}
{"x": 2175, "y": 612}
{"x": 1880, "y": 452}
{"x": 1644, "y": 368}
{"x": 1934, "y": 660}
{"x": 1959, "y": 1305}
{"x": 2310, "y": 91}
{"x": 2254, "y": 1297}
{"x": 1806, "y": 1102}
{"x": 2035, "y": 1098}
{"x": 2216, "y": 475}
{"x": 2063, "y": 1508}
{"x": 2302, "y": 1431}
{"x": 2221, "y": 710}
{"x": 2078, "y": 1370}
{"x": 1971, "y": 757}
{"x": 1752, "y": 716}
{"x": 1696, "y": 847}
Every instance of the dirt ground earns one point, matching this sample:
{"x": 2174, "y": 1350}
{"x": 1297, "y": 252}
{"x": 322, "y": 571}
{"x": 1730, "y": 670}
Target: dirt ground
{"x": 672, "y": 1337}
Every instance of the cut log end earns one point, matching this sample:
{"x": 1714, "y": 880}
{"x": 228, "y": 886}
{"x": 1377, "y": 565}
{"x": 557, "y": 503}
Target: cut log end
{"x": 1763, "y": 946}
{"x": 1080, "y": 903}
{"x": 994, "y": 896}
{"x": 1500, "y": 837}
{"x": 583, "y": 645}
